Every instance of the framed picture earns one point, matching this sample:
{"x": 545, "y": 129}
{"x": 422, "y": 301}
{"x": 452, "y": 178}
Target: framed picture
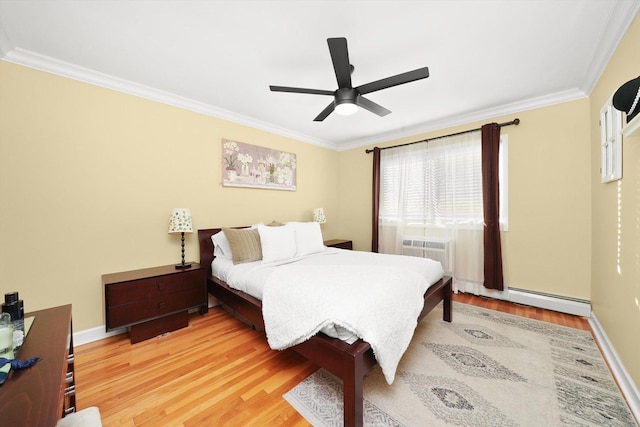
{"x": 246, "y": 165}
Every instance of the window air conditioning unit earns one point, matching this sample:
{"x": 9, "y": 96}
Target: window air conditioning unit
{"x": 429, "y": 247}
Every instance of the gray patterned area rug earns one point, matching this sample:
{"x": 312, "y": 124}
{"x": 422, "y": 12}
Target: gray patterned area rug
{"x": 486, "y": 368}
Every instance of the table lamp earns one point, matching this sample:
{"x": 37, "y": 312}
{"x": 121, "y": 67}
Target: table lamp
{"x": 180, "y": 222}
{"x": 318, "y": 216}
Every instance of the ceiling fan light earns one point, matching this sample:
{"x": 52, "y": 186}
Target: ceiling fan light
{"x": 346, "y": 108}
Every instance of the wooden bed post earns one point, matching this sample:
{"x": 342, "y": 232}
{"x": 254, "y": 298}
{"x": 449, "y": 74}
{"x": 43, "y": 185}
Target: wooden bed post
{"x": 353, "y": 393}
{"x": 447, "y": 299}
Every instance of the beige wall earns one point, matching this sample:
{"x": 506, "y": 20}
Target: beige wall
{"x": 615, "y": 277}
{"x": 547, "y": 246}
{"x": 89, "y": 176}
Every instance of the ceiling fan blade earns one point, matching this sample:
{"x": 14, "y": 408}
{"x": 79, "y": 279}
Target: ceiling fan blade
{"x": 340, "y": 59}
{"x": 372, "y": 106}
{"x": 300, "y": 90}
{"x": 409, "y": 76}
{"x": 323, "y": 115}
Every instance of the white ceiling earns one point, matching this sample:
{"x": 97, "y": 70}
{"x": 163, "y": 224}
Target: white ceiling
{"x": 486, "y": 57}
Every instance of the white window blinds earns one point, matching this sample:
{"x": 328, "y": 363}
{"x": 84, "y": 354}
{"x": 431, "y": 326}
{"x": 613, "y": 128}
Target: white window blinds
{"x": 436, "y": 183}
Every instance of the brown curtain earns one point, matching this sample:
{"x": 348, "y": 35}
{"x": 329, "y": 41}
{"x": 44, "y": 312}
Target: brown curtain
{"x": 376, "y": 199}
{"x": 493, "y": 278}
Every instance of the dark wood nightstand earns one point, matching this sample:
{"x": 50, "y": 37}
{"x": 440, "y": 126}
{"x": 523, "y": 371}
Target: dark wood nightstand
{"x": 152, "y": 301}
{"x": 339, "y": 243}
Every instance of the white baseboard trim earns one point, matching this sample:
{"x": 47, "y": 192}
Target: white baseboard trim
{"x": 531, "y": 298}
{"x": 626, "y": 384}
{"x": 99, "y": 332}
{"x": 550, "y": 302}
{"x": 94, "y": 334}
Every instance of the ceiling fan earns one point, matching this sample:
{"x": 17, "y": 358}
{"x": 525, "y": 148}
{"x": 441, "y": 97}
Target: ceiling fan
{"x": 347, "y": 99}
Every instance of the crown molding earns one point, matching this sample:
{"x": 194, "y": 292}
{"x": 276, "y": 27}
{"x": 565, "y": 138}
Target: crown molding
{"x": 65, "y": 69}
{"x": 621, "y": 18}
{"x": 68, "y": 70}
{"x": 5, "y": 44}
{"x": 618, "y": 23}
{"x": 485, "y": 114}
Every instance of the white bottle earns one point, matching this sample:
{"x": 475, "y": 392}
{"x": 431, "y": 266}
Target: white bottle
{"x": 6, "y": 336}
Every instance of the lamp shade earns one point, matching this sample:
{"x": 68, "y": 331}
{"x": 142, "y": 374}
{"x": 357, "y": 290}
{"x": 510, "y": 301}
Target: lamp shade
{"x": 318, "y": 215}
{"x": 180, "y": 221}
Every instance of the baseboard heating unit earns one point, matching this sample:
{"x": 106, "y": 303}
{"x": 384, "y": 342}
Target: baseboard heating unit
{"x": 575, "y": 306}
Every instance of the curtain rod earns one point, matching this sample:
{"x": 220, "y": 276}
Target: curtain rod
{"x": 512, "y": 122}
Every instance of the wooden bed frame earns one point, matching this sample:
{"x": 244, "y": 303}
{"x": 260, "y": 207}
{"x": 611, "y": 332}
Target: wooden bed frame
{"x": 349, "y": 362}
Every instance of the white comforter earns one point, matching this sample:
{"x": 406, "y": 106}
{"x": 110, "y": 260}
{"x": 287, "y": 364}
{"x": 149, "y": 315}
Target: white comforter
{"x": 377, "y": 297}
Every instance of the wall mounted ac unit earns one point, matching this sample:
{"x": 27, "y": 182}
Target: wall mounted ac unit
{"x": 429, "y": 247}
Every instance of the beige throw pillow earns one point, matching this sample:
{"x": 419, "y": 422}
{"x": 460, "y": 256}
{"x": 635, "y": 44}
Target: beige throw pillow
{"x": 245, "y": 244}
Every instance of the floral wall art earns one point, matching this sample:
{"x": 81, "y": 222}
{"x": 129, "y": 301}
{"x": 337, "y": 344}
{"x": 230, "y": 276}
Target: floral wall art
{"x": 246, "y": 165}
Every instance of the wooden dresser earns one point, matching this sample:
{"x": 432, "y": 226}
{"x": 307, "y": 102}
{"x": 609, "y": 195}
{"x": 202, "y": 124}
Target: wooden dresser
{"x": 44, "y": 393}
{"x": 152, "y": 301}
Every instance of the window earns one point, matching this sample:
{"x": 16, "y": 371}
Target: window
{"x": 439, "y": 183}
{"x": 611, "y": 143}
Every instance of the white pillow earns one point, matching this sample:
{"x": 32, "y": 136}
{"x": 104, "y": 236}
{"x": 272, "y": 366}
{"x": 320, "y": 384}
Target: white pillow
{"x": 308, "y": 238}
{"x": 221, "y": 246}
{"x": 278, "y": 243}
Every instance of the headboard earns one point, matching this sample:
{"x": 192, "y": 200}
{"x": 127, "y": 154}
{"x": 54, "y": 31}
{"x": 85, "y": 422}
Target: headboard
{"x": 206, "y": 247}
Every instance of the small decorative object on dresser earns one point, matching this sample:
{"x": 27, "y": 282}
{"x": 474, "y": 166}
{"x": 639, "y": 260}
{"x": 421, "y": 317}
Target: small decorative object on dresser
{"x": 153, "y": 301}
{"x": 339, "y": 243}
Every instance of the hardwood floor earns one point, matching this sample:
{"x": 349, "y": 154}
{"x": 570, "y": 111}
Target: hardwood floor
{"x": 215, "y": 372}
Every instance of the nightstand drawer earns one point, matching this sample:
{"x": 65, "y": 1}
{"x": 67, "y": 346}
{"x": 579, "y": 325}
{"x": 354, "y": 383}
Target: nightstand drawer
{"x": 150, "y": 308}
{"x": 152, "y": 288}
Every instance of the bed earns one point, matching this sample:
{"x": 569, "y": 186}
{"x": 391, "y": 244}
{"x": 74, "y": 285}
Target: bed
{"x": 347, "y": 361}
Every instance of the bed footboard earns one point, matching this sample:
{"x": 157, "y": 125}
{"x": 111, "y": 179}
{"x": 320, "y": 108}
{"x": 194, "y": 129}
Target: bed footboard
{"x": 349, "y": 362}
